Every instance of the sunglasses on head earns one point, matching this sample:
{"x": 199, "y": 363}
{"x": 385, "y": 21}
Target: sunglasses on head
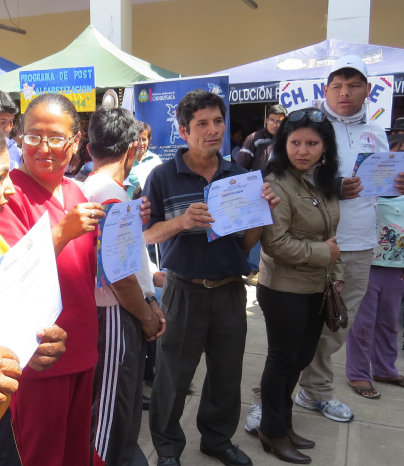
{"x": 313, "y": 114}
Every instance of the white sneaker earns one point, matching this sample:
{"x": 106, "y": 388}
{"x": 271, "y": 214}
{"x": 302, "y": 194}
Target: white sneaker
{"x": 333, "y": 409}
{"x": 253, "y": 420}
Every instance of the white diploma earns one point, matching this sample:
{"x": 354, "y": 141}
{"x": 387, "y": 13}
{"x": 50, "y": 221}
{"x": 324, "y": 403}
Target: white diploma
{"x": 236, "y": 204}
{"x": 119, "y": 245}
{"x": 29, "y": 290}
{"x": 378, "y": 171}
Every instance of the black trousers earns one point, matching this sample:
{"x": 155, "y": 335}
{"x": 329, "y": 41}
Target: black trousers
{"x": 8, "y": 450}
{"x": 198, "y": 319}
{"x": 118, "y": 389}
{"x": 293, "y": 328}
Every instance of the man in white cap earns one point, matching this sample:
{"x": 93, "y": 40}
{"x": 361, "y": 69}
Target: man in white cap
{"x": 345, "y": 93}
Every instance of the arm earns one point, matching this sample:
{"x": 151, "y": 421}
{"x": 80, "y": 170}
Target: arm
{"x": 252, "y": 235}
{"x": 10, "y": 371}
{"x": 246, "y": 154}
{"x": 350, "y": 187}
{"x": 130, "y": 297}
{"x": 279, "y": 242}
{"x": 196, "y": 215}
{"x": 52, "y": 346}
{"x": 399, "y": 183}
{"x": 80, "y": 220}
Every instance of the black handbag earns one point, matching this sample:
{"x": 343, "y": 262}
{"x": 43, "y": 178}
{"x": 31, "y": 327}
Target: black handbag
{"x": 332, "y": 308}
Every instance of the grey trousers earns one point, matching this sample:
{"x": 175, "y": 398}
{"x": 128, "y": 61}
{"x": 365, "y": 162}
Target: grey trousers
{"x": 198, "y": 319}
{"x": 318, "y": 378}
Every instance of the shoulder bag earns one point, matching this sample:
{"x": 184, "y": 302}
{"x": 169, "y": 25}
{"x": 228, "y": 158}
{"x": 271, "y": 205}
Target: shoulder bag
{"x": 332, "y": 307}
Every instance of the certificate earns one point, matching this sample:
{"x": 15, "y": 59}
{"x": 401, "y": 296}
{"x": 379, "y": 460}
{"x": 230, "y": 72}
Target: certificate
{"x": 119, "y": 245}
{"x": 29, "y": 290}
{"x": 378, "y": 171}
{"x": 236, "y": 204}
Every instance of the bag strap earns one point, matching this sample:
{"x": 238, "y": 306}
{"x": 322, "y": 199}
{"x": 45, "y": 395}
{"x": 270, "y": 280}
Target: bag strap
{"x": 317, "y": 202}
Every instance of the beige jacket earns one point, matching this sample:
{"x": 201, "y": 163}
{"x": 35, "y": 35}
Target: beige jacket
{"x": 294, "y": 256}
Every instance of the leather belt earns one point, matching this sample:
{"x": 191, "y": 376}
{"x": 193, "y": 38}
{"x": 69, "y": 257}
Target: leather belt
{"x": 205, "y": 282}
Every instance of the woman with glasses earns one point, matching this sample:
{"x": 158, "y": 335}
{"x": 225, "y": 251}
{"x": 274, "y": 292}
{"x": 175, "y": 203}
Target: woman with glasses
{"x": 297, "y": 251}
{"x": 51, "y": 411}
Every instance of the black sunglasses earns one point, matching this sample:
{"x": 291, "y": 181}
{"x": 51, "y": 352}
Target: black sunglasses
{"x": 313, "y": 114}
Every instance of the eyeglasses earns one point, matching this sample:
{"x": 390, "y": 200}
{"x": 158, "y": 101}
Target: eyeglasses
{"x": 313, "y": 114}
{"x": 56, "y": 142}
{"x": 274, "y": 122}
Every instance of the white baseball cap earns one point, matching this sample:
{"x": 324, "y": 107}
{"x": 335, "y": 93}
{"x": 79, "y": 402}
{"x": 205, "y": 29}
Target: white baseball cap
{"x": 350, "y": 61}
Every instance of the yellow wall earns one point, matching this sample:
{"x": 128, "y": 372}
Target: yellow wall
{"x": 46, "y": 35}
{"x": 386, "y": 26}
{"x": 195, "y": 37}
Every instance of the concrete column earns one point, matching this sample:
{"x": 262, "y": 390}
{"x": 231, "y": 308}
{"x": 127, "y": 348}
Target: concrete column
{"x": 349, "y": 20}
{"x": 113, "y": 19}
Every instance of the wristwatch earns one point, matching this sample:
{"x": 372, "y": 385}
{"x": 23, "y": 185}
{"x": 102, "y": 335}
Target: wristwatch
{"x": 150, "y": 299}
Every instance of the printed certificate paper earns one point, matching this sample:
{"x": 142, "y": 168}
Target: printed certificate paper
{"x": 119, "y": 242}
{"x": 378, "y": 171}
{"x": 29, "y": 290}
{"x": 236, "y": 204}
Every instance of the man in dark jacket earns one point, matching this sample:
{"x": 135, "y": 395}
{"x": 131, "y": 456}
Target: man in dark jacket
{"x": 257, "y": 146}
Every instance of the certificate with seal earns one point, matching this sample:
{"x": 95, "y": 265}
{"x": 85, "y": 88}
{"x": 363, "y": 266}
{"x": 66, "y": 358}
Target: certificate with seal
{"x": 29, "y": 290}
{"x": 119, "y": 243}
{"x": 236, "y": 204}
{"x": 378, "y": 171}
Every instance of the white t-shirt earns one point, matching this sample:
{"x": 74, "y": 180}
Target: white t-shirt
{"x": 357, "y": 227}
{"x": 100, "y": 187}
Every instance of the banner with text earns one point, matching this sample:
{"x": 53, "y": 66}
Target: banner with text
{"x": 156, "y": 104}
{"x": 295, "y": 95}
{"x": 77, "y": 84}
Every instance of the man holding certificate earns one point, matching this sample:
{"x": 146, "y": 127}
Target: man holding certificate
{"x": 203, "y": 296}
{"x": 126, "y": 318}
{"x": 346, "y": 91}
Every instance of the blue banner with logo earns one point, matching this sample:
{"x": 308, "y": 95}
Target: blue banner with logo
{"x": 156, "y": 104}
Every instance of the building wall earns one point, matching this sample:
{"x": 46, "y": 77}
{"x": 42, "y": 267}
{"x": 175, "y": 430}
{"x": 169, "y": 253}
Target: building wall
{"x": 195, "y": 37}
{"x": 46, "y": 35}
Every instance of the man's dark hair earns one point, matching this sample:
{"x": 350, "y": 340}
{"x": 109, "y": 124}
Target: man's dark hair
{"x": 325, "y": 175}
{"x": 7, "y": 104}
{"x": 111, "y": 131}
{"x": 197, "y": 100}
{"x": 346, "y": 73}
{"x": 276, "y": 110}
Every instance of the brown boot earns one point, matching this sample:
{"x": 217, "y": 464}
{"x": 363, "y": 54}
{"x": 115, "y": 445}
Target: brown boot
{"x": 283, "y": 449}
{"x": 298, "y": 441}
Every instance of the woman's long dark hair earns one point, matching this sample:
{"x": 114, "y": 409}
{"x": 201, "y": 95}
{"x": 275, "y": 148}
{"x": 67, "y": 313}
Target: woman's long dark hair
{"x": 325, "y": 176}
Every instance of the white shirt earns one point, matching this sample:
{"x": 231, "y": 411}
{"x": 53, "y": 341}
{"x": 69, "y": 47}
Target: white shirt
{"x": 100, "y": 187}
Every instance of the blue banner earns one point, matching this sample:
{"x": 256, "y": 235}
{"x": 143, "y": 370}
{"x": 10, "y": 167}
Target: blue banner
{"x": 156, "y": 104}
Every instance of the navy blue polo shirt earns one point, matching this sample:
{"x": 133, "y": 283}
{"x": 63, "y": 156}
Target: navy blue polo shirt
{"x": 171, "y": 188}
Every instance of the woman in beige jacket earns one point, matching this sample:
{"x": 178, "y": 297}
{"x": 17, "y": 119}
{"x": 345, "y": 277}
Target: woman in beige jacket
{"x": 297, "y": 251}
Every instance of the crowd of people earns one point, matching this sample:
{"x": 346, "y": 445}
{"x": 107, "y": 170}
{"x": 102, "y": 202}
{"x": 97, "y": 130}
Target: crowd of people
{"x": 85, "y": 408}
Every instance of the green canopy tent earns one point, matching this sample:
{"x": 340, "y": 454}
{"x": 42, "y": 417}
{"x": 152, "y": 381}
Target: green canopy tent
{"x": 113, "y": 67}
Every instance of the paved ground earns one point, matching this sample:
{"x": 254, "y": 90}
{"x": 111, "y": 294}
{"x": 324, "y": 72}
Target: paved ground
{"x": 374, "y": 438}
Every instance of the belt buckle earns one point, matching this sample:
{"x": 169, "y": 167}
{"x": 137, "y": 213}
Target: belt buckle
{"x": 206, "y": 285}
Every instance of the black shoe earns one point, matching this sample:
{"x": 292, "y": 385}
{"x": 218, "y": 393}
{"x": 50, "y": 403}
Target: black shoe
{"x": 146, "y": 403}
{"x": 168, "y": 461}
{"x": 232, "y": 456}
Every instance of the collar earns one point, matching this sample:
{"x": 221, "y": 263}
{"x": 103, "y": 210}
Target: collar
{"x": 357, "y": 118}
{"x": 182, "y": 167}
